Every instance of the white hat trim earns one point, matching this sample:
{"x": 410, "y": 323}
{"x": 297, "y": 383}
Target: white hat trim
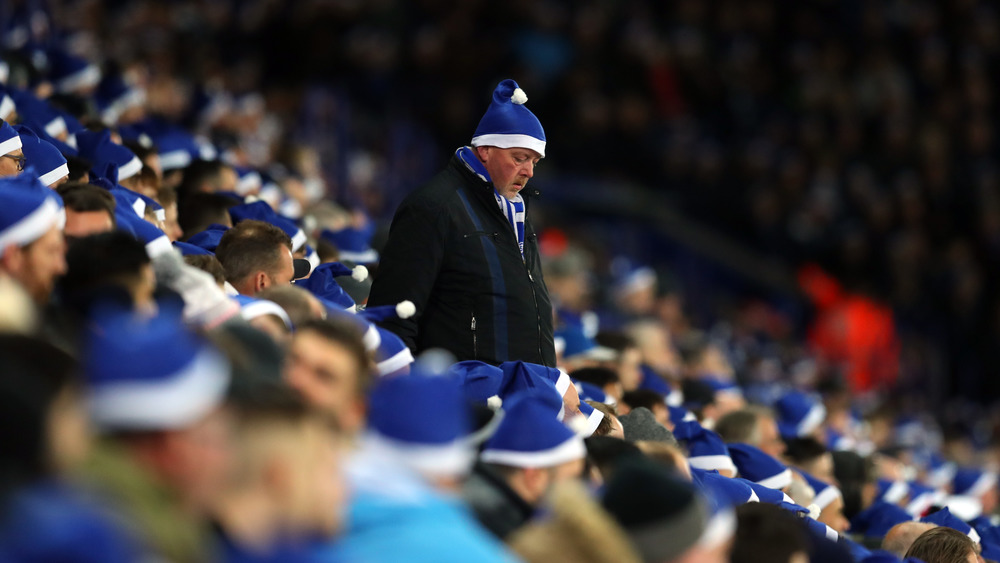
{"x": 831, "y": 534}
{"x": 263, "y": 307}
{"x": 6, "y": 107}
{"x": 229, "y": 289}
{"x": 942, "y": 476}
{"x": 588, "y": 428}
{"x": 986, "y": 481}
{"x": 779, "y": 481}
{"x": 248, "y": 183}
{"x": 34, "y": 224}
{"x": 712, "y": 462}
{"x": 824, "y": 497}
{"x": 10, "y": 145}
{"x": 812, "y": 420}
{"x": 369, "y": 256}
{"x": 753, "y": 496}
{"x": 372, "y": 338}
{"x": 87, "y": 76}
{"x": 563, "y": 382}
{"x": 299, "y": 240}
{"x": 896, "y": 492}
{"x": 129, "y": 169}
{"x": 917, "y": 506}
{"x": 964, "y": 507}
{"x": 451, "y": 459}
{"x": 158, "y": 247}
{"x": 569, "y": 450}
{"x": 55, "y": 127}
{"x": 720, "y": 528}
{"x": 139, "y": 206}
{"x": 395, "y": 363}
{"x": 187, "y": 396}
{"x": 4, "y": 72}
{"x": 510, "y": 141}
{"x": 161, "y": 214}
{"x": 50, "y": 177}
{"x": 173, "y": 160}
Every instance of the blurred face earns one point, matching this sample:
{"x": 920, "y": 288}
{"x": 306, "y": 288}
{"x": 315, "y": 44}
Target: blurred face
{"x": 628, "y": 370}
{"x": 9, "y": 163}
{"x": 68, "y": 431}
{"x": 170, "y": 225}
{"x": 833, "y": 516}
{"x": 510, "y": 169}
{"x": 318, "y": 494}
{"x": 37, "y": 265}
{"x": 198, "y": 460}
{"x": 326, "y": 375}
{"x": 718, "y": 553}
{"x": 80, "y": 224}
{"x": 770, "y": 439}
{"x": 273, "y": 327}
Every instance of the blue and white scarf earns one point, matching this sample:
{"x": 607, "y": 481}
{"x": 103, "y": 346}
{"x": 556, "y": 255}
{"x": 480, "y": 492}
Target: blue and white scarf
{"x": 513, "y": 210}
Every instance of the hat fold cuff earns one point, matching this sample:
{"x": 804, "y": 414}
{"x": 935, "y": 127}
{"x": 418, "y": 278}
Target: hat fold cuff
{"x": 567, "y": 451}
{"x": 510, "y": 141}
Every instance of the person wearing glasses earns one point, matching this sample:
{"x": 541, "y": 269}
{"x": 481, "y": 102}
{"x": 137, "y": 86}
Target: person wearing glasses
{"x": 11, "y": 157}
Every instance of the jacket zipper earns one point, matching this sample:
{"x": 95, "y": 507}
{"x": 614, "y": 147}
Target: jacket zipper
{"x": 475, "y": 343}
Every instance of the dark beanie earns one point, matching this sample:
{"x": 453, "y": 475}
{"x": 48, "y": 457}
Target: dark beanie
{"x": 663, "y": 515}
{"x": 640, "y": 425}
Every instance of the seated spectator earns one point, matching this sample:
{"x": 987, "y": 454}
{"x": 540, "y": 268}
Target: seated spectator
{"x": 207, "y": 176}
{"x": 650, "y": 400}
{"x": 167, "y": 197}
{"x": 195, "y": 212}
{"x": 753, "y": 425}
{"x": 89, "y": 209}
{"x": 604, "y": 378}
{"x": 768, "y": 534}
{"x": 256, "y": 256}
{"x": 629, "y": 358}
{"x": 811, "y": 456}
{"x": 900, "y": 537}
{"x": 12, "y": 158}
{"x": 109, "y": 262}
{"x": 32, "y": 248}
{"x": 610, "y": 425}
{"x": 943, "y": 545}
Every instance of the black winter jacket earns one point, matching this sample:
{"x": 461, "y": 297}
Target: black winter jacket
{"x": 453, "y": 253}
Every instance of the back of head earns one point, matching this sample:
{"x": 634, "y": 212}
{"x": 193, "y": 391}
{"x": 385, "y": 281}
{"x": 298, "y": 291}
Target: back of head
{"x": 201, "y": 176}
{"x": 78, "y": 196}
{"x": 596, "y": 376}
{"x": 767, "y": 534}
{"x": 196, "y": 211}
{"x": 901, "y": 536}
{"x": 300, "y": 305}
{"x": 642, "y": 398}
{"x": 249, "y": 247}
{"x": 607, "y": 453}
{"x": 99, "y": 262}
{"x": 943, "y": 545}
{"x": 739, "y": 427}
{"x": 207, "y": 263}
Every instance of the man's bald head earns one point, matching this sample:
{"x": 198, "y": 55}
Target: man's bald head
{"x": 901, "y": 536}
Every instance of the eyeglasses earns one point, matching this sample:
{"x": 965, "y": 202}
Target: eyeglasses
{"x": 20, "y": 160}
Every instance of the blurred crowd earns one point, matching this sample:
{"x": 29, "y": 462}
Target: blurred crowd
{"x": 192, "y": 195}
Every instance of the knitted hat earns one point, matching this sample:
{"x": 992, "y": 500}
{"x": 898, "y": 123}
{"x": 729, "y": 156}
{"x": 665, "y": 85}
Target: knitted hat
{"x": 640, "y": 425}
{"x": 27, "y": 210}
{"x": 508, "y": 123}
{"x": 798, "y": 414}
{"x": 46, "y": 159}
{"x": 529, "y": 436}
{"x": 706, "y": 450}
{"x": 759, "y": 467}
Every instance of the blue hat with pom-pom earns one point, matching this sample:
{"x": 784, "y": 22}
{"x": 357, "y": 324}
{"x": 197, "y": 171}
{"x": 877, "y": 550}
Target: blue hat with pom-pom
{"x": 945, "y": 518}
{"x": 28, "y": 210}
{"x": 352, "y": 244}
{"x": 41, "y": 155}
{"x": 798, "y": 414}
{"x": 757, "y": 466}
{"x": 508, "y": 123}
{"x": 100, "y": 150}
{"x": 706, "y": 450}
{"x": 252, "y": 307}
{"x": 480, "y": 381}
{"x": 529, "y": 436}
{"x": 392, "y": 354}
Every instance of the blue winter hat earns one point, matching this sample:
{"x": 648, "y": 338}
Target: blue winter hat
{"x": 252, "y": 307}
{"x": 150, "y": 374}
{"x": 973, "y": 482}
{"x": 945, "y": 518}
{"x": 423, "y": 419}
{"x": 27, "y": 210}
{"x": 922, "y": 498}
{"x": 352, "y": 244}
{"x": 723, "y": 490}
{"x": 261, "y": 211}
{"x": 114, "y": 97}
{"x": 940, "y": 471}
{"x": 68, "y": 73}
{"x": 652, "y": 381}
{"x": 402, "y": 310}
{"x": 177, "y": 148}
{"x": 576, "y": 344}
{"x": 529, "y": 436}
{"x": 628, "y": 276}
{"x": 248, "y": 180}
{"x": 46, "y": 159}
{"x": 321, "y": 284}
{"x": 508, "y": 123}
{"x": 38, "y": 114}
{"x": 7, "y": 105}
{"x": 587, "y": 424}
{"x": 209, "y": 238}
{"x": 188, "y": 249}
{"x": 155, "y": 240}
{"x": 891, "y": 491}
{"x": 721, "y": 386}
{"x": 766, "y": 494}
{"x": 706, "y": 450}
{"x": 825, "y": 492}
{"x": 100, "y": 150}
{"x": 680, "y": 414}
{"x": 480, "y": 381}
{"x": 591, "y": 392}
{"x": 9, "y": 139}
{"x": 522, "y": 376}
{"x": 757, "y": 466}
{"x": 798, "y": 414}
{"x": 392, "y": 354}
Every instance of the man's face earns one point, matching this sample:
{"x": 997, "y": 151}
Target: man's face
{"x": 286, "y": 269}
{"x": 171, "y": 228}
{"x": 770, "y": 440}
{"x": 80, "y": 224}
{"x": 9, "y": 163}
{"x": 201, "y": 459}
{"x": 37, "y": 265}
{"x": 833, "y": 516}
{"x": 510, "y": 169}
{"x": 326, "y": 375}
{"x": 318, "y": 495}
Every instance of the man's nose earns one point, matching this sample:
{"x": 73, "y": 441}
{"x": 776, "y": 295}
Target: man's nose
{"x": 529, "y": 169}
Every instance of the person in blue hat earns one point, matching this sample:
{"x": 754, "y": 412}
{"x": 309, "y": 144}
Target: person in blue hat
{"x": 32, "y": 248}
{"x": 48, "y": 162}
{"x": 463, "y": 251}
{"x": 258, "y": 255}
{"x": 12, "y": 160}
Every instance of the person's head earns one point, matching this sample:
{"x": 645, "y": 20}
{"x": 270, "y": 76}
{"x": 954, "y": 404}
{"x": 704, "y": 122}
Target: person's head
{"x": 944, "y": 545}
{"x": 327, "y": 363}
{"x": 148, "y": 154}
{"x": 300, "y": 305}
{"x": 167, "y": 197}
{"x": 656, "y": 347}
{"x": 604, "y": 378}
{"x": 195, "y": 212}
{"x": 667, "y": 455}
{"x": 811, "y": 456}
{"x": 208, "y": 176}
{"x": 89, "y": 209}
{"x": 46, "y": 160}
{"x": 629, "y": 357}
{"x": 857, "y": 478}
{"x": 12, "y": 159}
{"x": 566, "y": 277}
{"x": 648, "y": 399}
{"x": 145, "y": 182}
{"x": 752, "y": 425}
{"x": 609, "y": 425}
{"x": 509, "y": 140}
{"x": 79, "y": 169}
{"x": 900, "y": 537}
{"x": 267, "y": 317}
{"x": 256, "y": 256}
{"x": 208, "y": 263}
{"x": 833, "y": 515}
{"x": 113, "y": 259}
{"x": 768, "y": 534}
{"x": 46, "y": 430}
{"x": 32, "y": 248}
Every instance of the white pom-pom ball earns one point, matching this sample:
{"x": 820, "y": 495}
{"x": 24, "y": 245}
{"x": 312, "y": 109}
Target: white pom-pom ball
{"x": 494, "y": 402}
{"x": 814, "y": 511}
{"x": 359, "y": 273}
{"x": 519, "y": 97}
{"x": 406, "y": 309}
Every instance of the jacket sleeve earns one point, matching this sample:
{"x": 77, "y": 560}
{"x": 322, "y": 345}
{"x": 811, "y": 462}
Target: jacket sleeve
{"x": 409, "y": 265}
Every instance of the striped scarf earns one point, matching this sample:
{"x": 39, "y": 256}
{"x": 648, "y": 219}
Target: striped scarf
{"x": 513, "y": 210}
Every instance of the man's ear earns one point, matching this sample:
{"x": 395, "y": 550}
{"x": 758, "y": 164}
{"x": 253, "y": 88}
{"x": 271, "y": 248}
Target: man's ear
{"x": 261, "y": 281}
{"x": 481, "y": 152}
{"x": 11, "y": 258}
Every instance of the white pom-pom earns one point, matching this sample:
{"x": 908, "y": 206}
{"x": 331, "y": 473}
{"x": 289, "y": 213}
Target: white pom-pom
{"x": 814, "y": 511}
{"x": 494, "y": 402}
{"x": 359, "y": 273}
{"x": 519, "y": 97}
{"x": 406, "y": 309}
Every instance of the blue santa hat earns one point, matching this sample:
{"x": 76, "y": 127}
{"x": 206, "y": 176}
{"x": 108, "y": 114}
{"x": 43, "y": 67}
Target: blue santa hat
{"x": 38, "y": 114}
{"x": 402, "y": 310}
{"x": 576, "y": 344}
{"x": 891, "y": 491}
{"x": 209, "y": 238}
{"x": 7, "y": 105}
{"x": 973, "y": 482}
{"x": 523, "y": 376}
{"x": 940, "y": 471}
{"x": 529, "y": 436}
{"x": 421, "y": 420}
{"x": 723, "y": 490}
{"x": 150, "y": 374}
{"x": 352, "y": 244}
{"x": 248, "y": 180}
{"x": 591, "y": 392}
{"x": 392, "y": 354}
{"x": 922, "y": 498}
{"x": 653, "y": 382}
{"x": 481, "y": 382}
{"x": 188, "y": 249}
{"x": 261, "y": 211}
{"x": 9, "y": 139}
{"x": 68, "y": 73}
{"x": 706, "y": 450}
{"x": 100, "y": 150}
{"x": 722, "y": 386}
{"x": 628, "y": 276}
{"x": 590, "y": 418}
{"x": 114, "y": 97}
{"x": 825, "y": 492}
{"x": 252, "y": 307}
{"x": 508, "y": 123}
{"x": 767, "y": 494}
{"x": 157, "y": 243}
{"x": 46, "y": 159}
{"x": 798, "y": 414}
{"x": 945, "y": 518}
{"x": 757, "y": 466}
{"x": 177, "y": 148}
{"x": 321, "y": 284}
{"x": 680, "y": 414}
{"x": 28, "y": 210}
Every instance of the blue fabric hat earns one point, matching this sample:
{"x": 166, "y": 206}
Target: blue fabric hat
{"x": 261, "y": 211}
{"x": 825, "y": 492}
{"x": 757, "y": 466}
{"x": 723, "y": 490}
{"x": 766, "y": 494}
{"x": 945, "y": 518}
{"x": 528, "y": 436}
{"x": 480, "y": 381}
{"x": 188, "y": 249}
{"x": 248, "y": 180}
{"x": 922, "y": 498}
{"x": 798, "y": 414}
{"x": 38, "y": 114}
{"x": 252, "y": 307}
{"x": 680, "y": 414}
{"x": 150, "y": 374}
{"x": 891, "y": 491}
{"x": 940, "y": 471}
{"x": 706, "y": 450}
{"x": 46, "y": 159}
{"x": 28, "y": 210}
{"x": 652, "y": 381}
{"x": 401, "y": 310}
{"x": 588, "y": 422}
{"x": 352, "y": 244}
{"x": 722, "y": 386}
{"x": 822, "y": 530}
{"x": 973, "y": 482}
{"x": 9, "y": 139}
{"x": 100, "y": 150}
{"x": 156, "y": 242}
{"x": 392, "y": 354}
{"x": 524, "y": 375}
{"x": 7, "y": 105}
{"x": 422, "y": 420}
{"x": 591, "y": 392}
{"x": 508, "y": 123}
{"x": 209, "y": 238}
{"x": 576, "y": 344}
{"x": 628, "y": 276}
{"x": 114, "y": 97}
{"x": 321, "y": 284}
{"x": 177, "y": 148}
{"x": 68, "y": 73}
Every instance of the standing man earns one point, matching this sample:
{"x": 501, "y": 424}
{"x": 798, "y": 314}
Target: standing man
{"x": 461, "y": 248}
